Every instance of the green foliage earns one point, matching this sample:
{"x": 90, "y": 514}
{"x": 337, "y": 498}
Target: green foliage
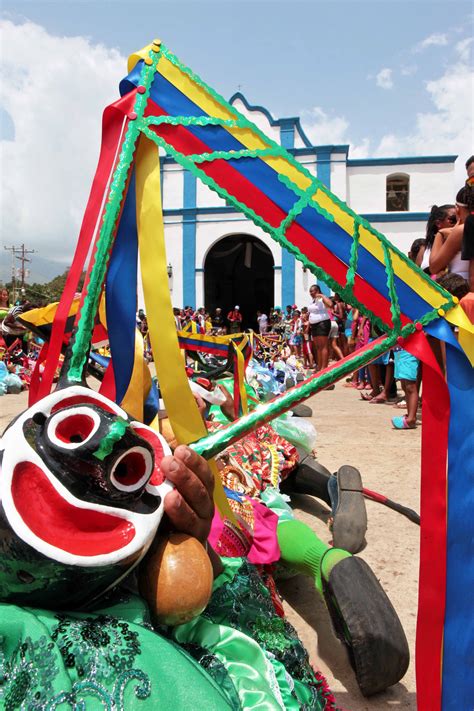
{"x": 42, "y": 294}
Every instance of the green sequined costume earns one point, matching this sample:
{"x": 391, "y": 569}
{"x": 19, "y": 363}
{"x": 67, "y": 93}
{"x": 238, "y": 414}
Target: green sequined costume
{"x": 237, "y": 655}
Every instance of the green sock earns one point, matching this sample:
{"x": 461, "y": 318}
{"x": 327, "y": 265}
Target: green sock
{"x": 332, "y": 557}
{"x": 302, "y": 549}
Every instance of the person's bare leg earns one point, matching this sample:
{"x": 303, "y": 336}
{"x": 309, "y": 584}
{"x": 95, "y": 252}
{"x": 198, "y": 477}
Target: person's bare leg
{"x": 322, "y": 344}
{"x": 411, "y": 396}
{"x": 342, "y": 341}
{"x": 374, "y": 373}
{"x": 336, "y": 350}
{"x": 388, "y": 379}
{"x": 439, "y": 351}
{"x": 314, "y": 350}
{"x": 385, "y": 394}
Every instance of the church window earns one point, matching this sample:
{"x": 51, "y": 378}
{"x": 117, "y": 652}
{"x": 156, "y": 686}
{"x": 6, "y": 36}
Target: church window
{"x": 397, "y": 192}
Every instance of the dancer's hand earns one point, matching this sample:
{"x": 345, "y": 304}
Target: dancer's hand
{"x": 190, "y": 505}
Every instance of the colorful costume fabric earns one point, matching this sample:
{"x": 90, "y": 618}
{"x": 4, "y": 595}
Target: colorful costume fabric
{"x": 259, "y": 461}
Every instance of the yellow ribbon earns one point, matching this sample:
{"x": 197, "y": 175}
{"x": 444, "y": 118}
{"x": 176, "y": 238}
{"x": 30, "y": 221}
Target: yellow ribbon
{"x": 181, "y": 406}
{"x": 238, "y": 348}
{"x": 203, "y": 337}
{"x": 140, "y": 382}
{"x": 44, "y": 315}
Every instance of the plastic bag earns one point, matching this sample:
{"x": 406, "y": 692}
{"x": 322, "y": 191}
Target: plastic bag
{"x": 300, "y": 432}
{"x": 263, "y": 380}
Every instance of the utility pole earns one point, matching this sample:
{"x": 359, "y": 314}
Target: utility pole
{"x": 19, "y": 253}
{"x": 23, "y": 258}
{"x": 13, "y": 295}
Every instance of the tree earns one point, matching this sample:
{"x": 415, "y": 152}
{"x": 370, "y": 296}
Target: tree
{"x": 43, "y": 294}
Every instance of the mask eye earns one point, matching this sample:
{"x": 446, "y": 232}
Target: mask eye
{"x": 132, "y": 469}
{"x": 73, "y": 428}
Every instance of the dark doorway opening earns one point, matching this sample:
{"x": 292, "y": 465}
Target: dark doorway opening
{"x": 239, "y": 271}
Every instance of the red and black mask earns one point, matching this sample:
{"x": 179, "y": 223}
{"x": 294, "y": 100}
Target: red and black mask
{"x": 81, "y": 498}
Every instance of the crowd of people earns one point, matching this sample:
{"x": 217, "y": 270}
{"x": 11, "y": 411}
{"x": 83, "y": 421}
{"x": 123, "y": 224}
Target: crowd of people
{"x": 18, "y": 347}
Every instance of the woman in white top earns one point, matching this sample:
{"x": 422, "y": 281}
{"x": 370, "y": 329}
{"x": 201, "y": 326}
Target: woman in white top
{"x": 441, "y": 217}
{"x": 320, "y": 325}
{"x": 446, "y": 251}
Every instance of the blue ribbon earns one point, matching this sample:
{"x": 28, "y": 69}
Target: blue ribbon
{"x": 121, "y": 295}
{"x": 458, "y": 647}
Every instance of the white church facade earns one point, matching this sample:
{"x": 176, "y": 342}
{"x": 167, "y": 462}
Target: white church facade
{"x": 218, "y": 257}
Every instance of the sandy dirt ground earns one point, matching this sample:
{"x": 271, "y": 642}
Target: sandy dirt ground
{"x": 351, "y": 431}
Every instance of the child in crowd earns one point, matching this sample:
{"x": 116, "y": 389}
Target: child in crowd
{"x": 308, "y": 359}
{"x": 359, "y": 338}
{"x": 340, "y": 314}
{"x": 296, "y": 335}
{"x": 406, "y": 371}
{"x": 335, "y": 352}
{"x": 288, "y": 324}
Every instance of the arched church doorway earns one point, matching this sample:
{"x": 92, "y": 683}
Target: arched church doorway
{"x": 239, "y": 270}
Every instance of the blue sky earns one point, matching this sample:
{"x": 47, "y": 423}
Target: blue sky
{"x": 388, "y": 78}
{"x": 288, "y": 56}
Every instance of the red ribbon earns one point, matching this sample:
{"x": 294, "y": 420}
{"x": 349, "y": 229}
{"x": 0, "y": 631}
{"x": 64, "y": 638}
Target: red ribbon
{"x": 432, "y": 583}
{"x": 111, "y": 135}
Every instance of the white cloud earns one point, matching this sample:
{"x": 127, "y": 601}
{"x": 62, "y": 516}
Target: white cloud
{"x": 408, "y": 70}
{"x": 54, "y": 89}
{"x": 437, "y": 39}
{"x": 463, "y": 48}
{"x": 327, "y": 129}
{"x": 322, "y": 128}
{"x": 447, "y": 128}
{"x": 384, "y": 79}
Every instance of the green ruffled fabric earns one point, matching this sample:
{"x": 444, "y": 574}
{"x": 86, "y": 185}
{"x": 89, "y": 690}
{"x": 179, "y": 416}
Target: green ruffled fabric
{"x": 261, "y": 652}
{"x": 110, "y": 659}
{"x": 239, "y": 654}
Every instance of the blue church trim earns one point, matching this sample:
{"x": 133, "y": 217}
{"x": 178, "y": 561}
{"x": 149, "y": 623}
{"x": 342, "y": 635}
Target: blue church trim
{"x": 297, "y": 152}
{"x": 191, "y": 213}
{"x": 287, "y": 134}
{"x": 294, "y": 120}
{"x": 287, "y": 278}
{"x": 189, "y": 239}
{"x": 407, "y": 160}
{"x": 396, "y": 216}
{"x": 323, "y": 167}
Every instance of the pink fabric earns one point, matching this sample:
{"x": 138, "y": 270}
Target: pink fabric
{"x": 264, "y": 548}
{"x": 217, "y": 527}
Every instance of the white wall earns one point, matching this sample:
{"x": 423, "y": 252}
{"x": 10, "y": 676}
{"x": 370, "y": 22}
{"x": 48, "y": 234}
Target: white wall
{"x": 338, "y": 175}
{"x": 299, "y": 143}
{"x": 303, "y": 280}
{"x": 429, "y": 185}
{"x": 401, "y": 234}
{"x": 172, "y": 186}
{"x": 174, "y": 256}
{"x": 205, "y": 197}
{"x": 309, "y": 163}
{"x": 259, "y": 119}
